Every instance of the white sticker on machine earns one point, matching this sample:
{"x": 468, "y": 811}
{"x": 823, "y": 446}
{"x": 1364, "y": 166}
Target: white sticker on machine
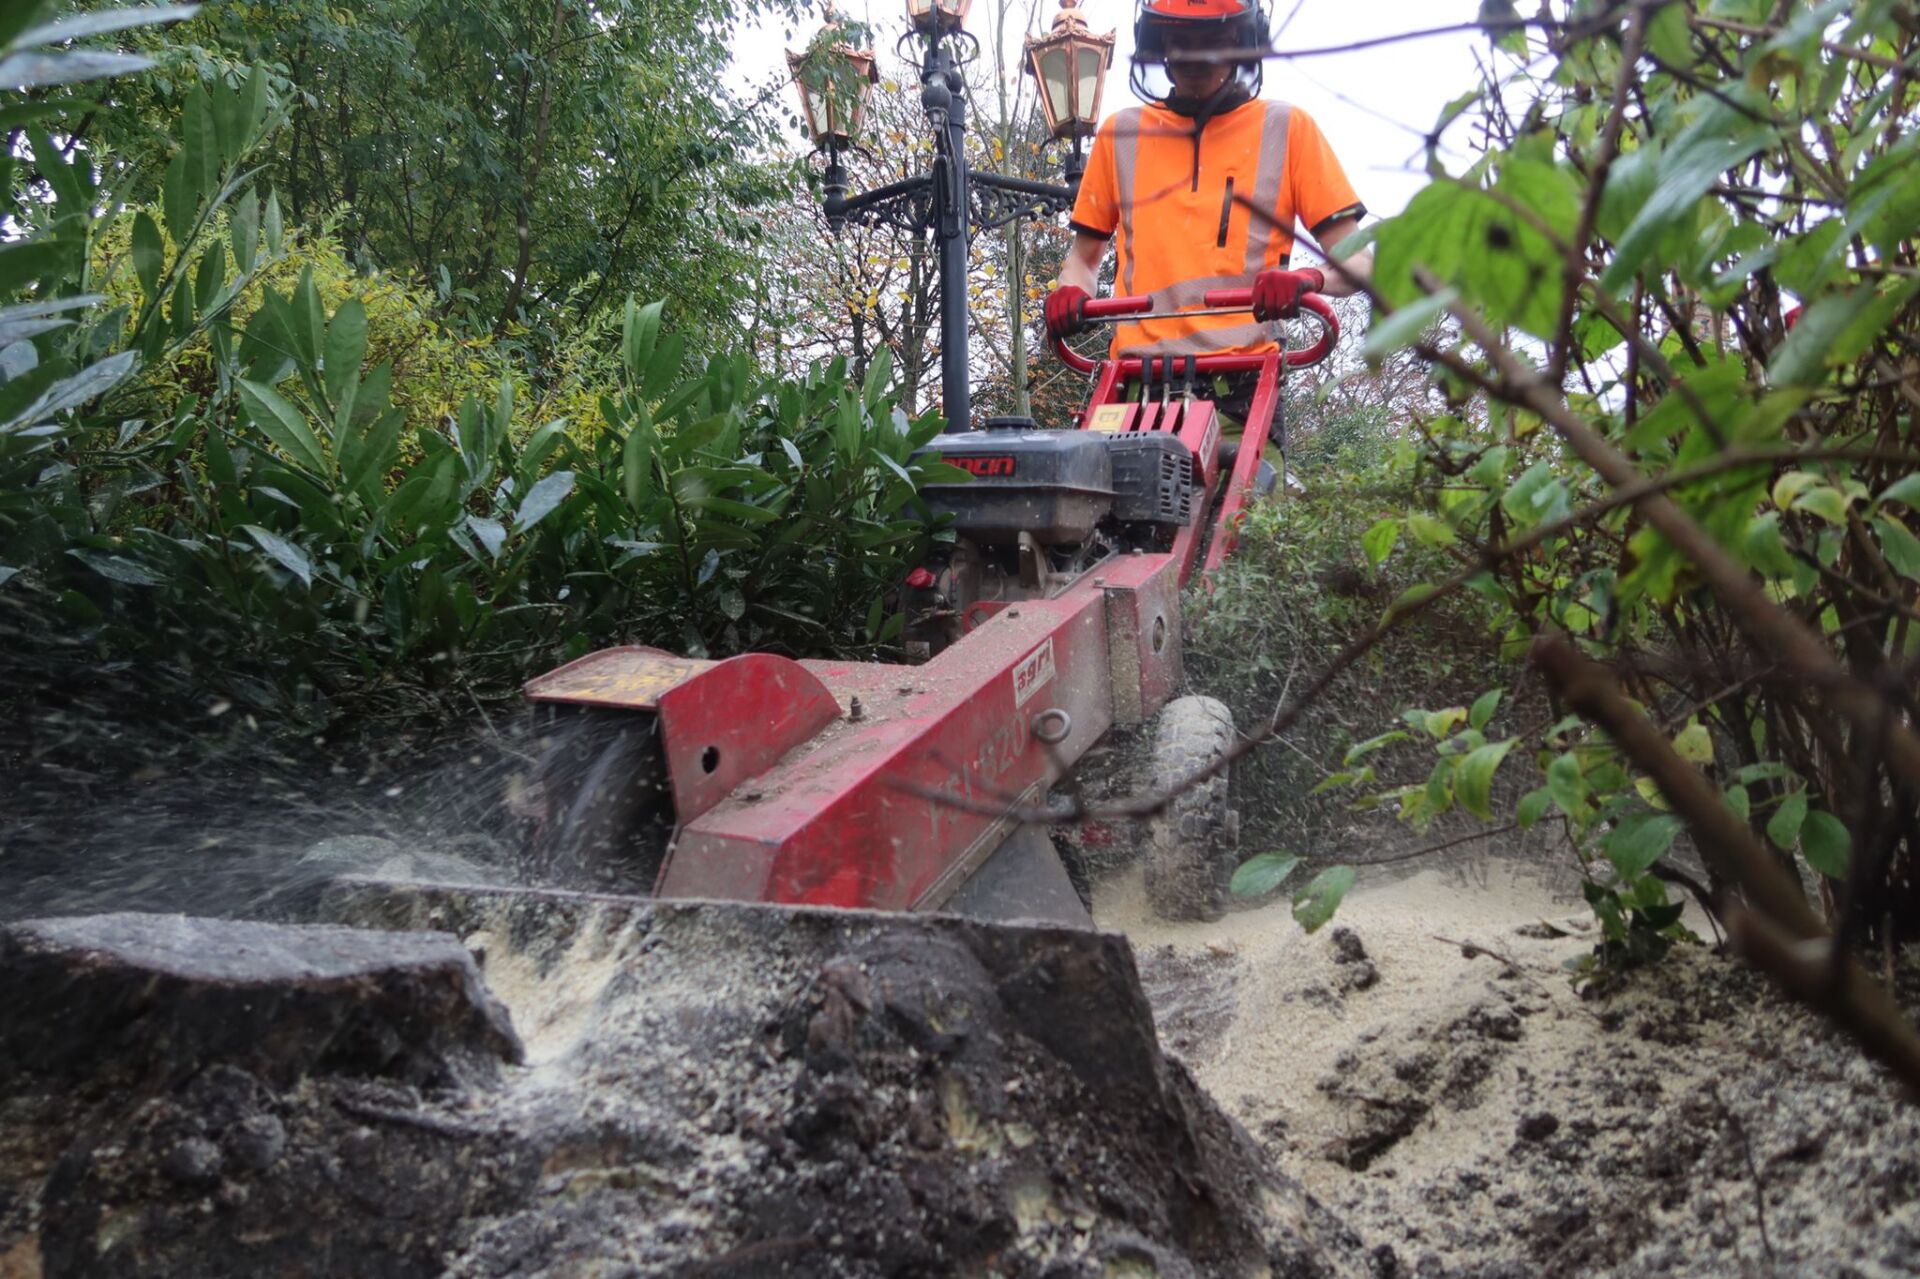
{"x": 1034, "y": 673}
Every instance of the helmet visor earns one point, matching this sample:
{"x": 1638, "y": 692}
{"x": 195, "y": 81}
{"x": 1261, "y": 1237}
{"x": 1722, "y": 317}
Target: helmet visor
{"x": 1192, "y": 59}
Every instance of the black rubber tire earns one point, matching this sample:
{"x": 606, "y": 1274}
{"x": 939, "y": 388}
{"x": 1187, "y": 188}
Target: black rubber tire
{"x": 1265, "y": 478}
{"x": 607, "y": 808}
{"x": 1190, "y": 843}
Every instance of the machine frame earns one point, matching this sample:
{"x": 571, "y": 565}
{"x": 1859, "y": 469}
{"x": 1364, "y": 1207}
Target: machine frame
{"x": 868, "y": 784}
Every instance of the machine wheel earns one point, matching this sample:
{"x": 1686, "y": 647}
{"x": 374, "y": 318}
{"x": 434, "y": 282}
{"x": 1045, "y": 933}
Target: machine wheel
{"x": 1191, "y": 843}
{"x": 605, "y": 807}
{"x": 1265, "y": 478}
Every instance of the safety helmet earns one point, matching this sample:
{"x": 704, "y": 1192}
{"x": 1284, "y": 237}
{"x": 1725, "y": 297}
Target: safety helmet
{"x": 1213, "y": 29}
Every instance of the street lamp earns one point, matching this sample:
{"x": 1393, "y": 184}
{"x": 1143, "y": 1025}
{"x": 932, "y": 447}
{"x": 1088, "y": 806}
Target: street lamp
{"x": 1070, "y": 65}
{"x": 952, "y": 201}
{"x": 835, "y": 81}
{"x": 930, "y": 17}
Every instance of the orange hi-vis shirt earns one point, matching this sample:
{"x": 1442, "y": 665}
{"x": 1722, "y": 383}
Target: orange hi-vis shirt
{"x": 1188, "y": 215}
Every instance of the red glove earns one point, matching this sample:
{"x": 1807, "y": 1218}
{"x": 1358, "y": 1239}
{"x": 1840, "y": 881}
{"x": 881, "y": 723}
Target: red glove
{"x": 1276, "y": 294}
{"x": 1066, "y": 311}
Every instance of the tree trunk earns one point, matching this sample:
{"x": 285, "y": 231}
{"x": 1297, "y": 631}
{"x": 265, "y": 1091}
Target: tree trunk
{"x": 522, "y": 219}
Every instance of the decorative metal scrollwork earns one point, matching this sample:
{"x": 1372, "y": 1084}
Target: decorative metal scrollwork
{"x": 905, "y": 206}
{"x": 998, "y": 200}
{"x": 993, "y": 202}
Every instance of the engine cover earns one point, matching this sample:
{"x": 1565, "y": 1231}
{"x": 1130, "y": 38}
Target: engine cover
{"x": 1056, "y": 485}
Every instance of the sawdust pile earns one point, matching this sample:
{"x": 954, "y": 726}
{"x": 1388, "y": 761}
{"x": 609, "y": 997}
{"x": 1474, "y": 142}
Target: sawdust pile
{"x": 1424, "y": 1068}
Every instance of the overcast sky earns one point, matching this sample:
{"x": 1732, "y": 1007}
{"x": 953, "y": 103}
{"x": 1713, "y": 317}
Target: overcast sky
{"x": 1374, "y": 104}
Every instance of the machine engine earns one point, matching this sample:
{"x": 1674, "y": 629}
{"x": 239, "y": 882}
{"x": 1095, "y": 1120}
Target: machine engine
{"x": 1063, "y": 488}
{"x": 1042, "y": 508}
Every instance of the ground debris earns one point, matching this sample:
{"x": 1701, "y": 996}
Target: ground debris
{"x": 712, "y": 1089}
{"x": 1472, "y": 1116}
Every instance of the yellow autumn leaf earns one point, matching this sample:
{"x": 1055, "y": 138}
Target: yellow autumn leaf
{"x": 1694, "y": 744}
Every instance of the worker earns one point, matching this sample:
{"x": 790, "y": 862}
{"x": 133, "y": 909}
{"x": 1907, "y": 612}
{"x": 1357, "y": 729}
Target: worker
{"x": 1200, "y": 189}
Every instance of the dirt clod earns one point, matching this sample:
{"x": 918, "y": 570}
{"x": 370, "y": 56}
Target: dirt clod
{"x": 1538, "y": 1126}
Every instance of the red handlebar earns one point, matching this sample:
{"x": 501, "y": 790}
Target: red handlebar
{"x": 1113, "y": 308}
{"x": 1118, "y": 308}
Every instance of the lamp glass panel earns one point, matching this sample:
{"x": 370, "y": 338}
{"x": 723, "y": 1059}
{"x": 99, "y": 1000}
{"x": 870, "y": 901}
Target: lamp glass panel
{"x": 1054, "y": 73}
{"x": 1091, "y": 66}
{"x": 818, "y": 119}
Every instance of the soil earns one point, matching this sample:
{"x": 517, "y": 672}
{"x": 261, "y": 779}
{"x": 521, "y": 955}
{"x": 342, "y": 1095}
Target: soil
{"x": 1422, "y": 1066}
{"x": 1425, "y": 1068}
{"x": 688, "y": 1089}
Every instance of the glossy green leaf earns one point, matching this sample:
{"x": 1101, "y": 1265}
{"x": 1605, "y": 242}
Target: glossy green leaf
{"x": 1377, "y": 542}
{"x": 1720, "y": 137}
{"x": 1261, "y": 875}
{"x": 346, "y": 347}
{"x": 286, "y": 554}
{"x": 1566, "y": 784}
{"x": 1827, "y": 503}
{"x": 1473, "y": 778}
{"x": 1837, "y": 329}
{"x": 1360, "y": 750}
{"x": 1826, "y": 843}
{"x": 149, "y": 255}
{"x": 1637, "y": 842}
{"x": 1315, "y": 904}
{"x": 1694, "y": 744}
{"x": 1429, "y": 531}
{"x": 1783, "y": 828}
{"x": 1899, "y": 546}
{"x": 1905, "y": 490}
{"x": 1765, "y": 548}
{"x": 282, "y": 423}
{"x": 542, "y": 499}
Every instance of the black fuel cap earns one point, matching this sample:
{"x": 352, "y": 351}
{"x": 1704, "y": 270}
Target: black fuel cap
{"x": 1011, "y": 424}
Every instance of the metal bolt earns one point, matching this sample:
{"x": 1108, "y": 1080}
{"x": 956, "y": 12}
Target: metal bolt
{"x": 855, "y": 711}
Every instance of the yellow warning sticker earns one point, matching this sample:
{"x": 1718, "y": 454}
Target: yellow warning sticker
{"x": 619, "y": 679}
{"x": 1110, "y": 419}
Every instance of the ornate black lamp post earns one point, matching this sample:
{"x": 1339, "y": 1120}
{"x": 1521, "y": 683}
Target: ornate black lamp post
{"x": 952, "y": 201}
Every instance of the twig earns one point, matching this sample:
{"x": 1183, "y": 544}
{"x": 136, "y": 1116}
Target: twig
{"x": 1724, "y": 840}
{"x": 1778, "y": 932}
{"x": 1430, "y": 849}
{"x": 1576, "y": 252}
{"x": 434, "y": 1124}
{"x": 998, "y": 803}
{"x": 1845, "y": 51}
{"x": 1667, "y": 874}
{"x": 1753, "y": 1172}
{"x": 1473, "y": 950}
{"x": 1765, "y": 622}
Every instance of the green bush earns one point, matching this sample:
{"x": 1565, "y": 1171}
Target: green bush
{"x": 1299, "y": 590}
{"x": 281, "y": 542}
{"x": 222, "y": 450}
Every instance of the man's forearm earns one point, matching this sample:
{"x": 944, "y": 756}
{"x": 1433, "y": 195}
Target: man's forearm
{"x": 1346, "y": 276}
{"x": 1080, "y": 268}
{"x": 1077, "y": 275}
